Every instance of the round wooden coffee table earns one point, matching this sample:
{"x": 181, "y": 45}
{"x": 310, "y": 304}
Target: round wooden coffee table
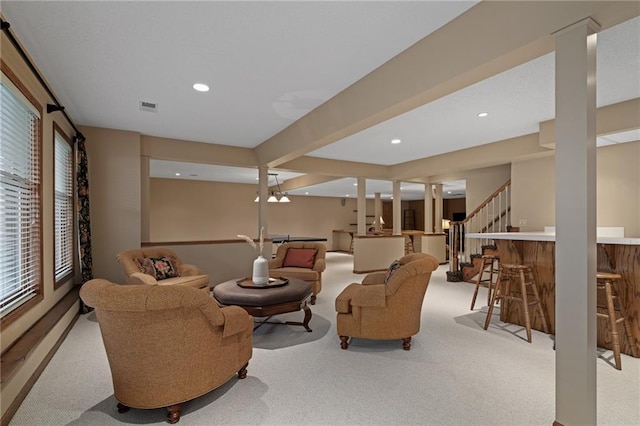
{"x": 267, "y": 301}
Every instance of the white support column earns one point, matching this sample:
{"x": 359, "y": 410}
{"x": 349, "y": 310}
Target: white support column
{"x": 145, "y": 197}
{"x": 576, "y": 224}
{"x": 362, "y": 206}
{"x": 397, "y": 208}
{"x": 378, "y": 211}
{"x": 438, "y": 208}
{"x": 428, "y": 208}
{"x": 263, "y": 191}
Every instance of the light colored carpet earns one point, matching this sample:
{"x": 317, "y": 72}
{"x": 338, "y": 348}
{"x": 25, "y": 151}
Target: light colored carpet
{"x": 456, "y": 373}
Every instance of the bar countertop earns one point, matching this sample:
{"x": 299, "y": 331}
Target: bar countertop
{"x": 548, "y": 236}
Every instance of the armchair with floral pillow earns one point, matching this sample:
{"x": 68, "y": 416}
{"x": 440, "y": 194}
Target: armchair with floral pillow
{"x": 160, "y": 266}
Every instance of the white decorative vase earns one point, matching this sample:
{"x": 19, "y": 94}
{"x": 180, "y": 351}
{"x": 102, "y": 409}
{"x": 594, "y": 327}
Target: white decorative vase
{"x": 260, "y": 271}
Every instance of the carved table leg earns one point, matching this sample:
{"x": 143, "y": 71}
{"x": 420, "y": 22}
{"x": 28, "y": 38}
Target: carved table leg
{"x": 243, "y": 372}
{"x": 344, "y": 342}
{"x": 307, "y": 318}
{"x": 174, "y": 413}
{"x": 406, "y": 343}
{"x": 122, "y": 408}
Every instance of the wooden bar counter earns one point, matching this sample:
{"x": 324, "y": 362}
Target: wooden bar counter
{"x": 619, "y": 255}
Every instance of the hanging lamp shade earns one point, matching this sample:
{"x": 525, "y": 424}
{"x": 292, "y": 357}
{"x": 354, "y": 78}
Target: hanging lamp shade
{"x": 277, "y": 196}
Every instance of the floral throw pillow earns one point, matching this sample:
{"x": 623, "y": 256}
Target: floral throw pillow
{"x": 392, "y": 268}
{"x": 159, "y": 267}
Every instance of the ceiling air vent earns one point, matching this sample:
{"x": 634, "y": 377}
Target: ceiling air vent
{"x": 148, "y": 106}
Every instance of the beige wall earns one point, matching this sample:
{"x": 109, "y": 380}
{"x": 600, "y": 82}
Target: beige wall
{"x": 481, "y": 183}
{"x": 533, "y": 193}
{"x": 618, "y": 183}
{"x": 618, "y": 199}
{"x": 184, "y": 210}
{"x": 376, "y": 253}
{"x": 114, "y": 188}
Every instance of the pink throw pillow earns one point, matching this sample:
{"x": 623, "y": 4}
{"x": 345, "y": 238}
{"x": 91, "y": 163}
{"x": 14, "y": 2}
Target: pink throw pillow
{"x": 300, "y": 258}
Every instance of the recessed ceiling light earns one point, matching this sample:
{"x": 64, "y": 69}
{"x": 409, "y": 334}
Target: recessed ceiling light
{"x": 177, "y": 174}
{"x": 306, "y": 193}
{"x": 355, "y": 184}
{"x": 395, "y": 141}
{"x": 201, "y": 87}
{"x": 483, "y": 114}
{"x": 448, "y": 192}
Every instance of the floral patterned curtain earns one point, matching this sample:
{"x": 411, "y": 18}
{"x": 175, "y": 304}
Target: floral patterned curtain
{"x": 84, "y": 223}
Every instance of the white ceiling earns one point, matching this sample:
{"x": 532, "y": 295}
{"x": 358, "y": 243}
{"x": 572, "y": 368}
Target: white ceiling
{"x": 269, "y": 63}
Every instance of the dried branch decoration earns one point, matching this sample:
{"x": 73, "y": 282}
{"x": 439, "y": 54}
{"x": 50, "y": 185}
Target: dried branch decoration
{"x": 261, "y": 240}
{"x": 253, "y": 243}
{"x": 249, "y": 240}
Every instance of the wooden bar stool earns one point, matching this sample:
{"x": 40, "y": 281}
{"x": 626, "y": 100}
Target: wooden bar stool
{"x": 606, "y": 282}
{"x": 502, "y": 292}
{"x": 408, "y": 245}
{"x": 351, "y": 243}
{"x": 490, "y": 265}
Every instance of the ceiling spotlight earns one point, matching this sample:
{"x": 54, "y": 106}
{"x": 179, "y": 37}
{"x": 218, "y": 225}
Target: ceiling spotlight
{"x": 395, "y": 141}
{"x": 483, "y": 114}
{"x": 201, "y": 87}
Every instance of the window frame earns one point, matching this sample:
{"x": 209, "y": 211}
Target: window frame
{"x": 57, "y": 131}
{"x": 38, "y": 296}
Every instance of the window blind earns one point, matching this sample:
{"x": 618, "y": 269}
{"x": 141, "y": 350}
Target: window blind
{"x": 63, "y": 207}
{"x": 20, "y": 215}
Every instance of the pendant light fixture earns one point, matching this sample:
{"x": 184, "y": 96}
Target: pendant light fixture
{"x": 276, "y": 195}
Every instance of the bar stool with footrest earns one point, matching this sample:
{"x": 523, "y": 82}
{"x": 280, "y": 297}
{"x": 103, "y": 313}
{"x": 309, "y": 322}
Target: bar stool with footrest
{"x": 490, "y": 265}
{"x": 502, "y": 292}
{"x": 606, "y": 282}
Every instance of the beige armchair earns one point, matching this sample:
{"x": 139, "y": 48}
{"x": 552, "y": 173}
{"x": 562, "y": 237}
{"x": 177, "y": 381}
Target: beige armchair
{"x": 306, "y": 261}
{"x": 375, "y": 310}
{"x": 167, "y": 344}
{"x": 133, "y": 261}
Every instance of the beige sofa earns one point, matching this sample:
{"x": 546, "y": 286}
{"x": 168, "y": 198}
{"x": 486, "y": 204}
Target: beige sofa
{"x": 311, "y": 273}
{"x": 132, "y": 265}
{"x": 375, "y": 310}
{"x": 167, "y": 344}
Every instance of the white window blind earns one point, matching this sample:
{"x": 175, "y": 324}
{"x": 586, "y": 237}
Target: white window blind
{"x": 20, "y": 215}
{"x": 63, "y": 207}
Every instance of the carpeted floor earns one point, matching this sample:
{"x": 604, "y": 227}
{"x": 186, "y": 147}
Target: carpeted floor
{"x": 456, "y": 373}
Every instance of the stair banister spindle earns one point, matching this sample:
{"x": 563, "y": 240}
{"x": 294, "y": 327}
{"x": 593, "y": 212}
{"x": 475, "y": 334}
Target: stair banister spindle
{"x": 500, "y": 208}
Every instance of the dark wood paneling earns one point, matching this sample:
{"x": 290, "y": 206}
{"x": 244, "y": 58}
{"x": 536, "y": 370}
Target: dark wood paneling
{"x": 622, "y": 259}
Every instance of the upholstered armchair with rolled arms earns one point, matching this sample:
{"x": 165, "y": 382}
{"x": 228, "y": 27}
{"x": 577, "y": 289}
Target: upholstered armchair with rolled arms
{"x": 141, "y": 266}
{"x": 386, "y": 311}
{"x": 302, "y": 260}
{"x": 167, "y": 344}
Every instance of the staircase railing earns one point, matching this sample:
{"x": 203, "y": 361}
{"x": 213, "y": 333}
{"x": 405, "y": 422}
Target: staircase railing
{"x": 492, "y": 215}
